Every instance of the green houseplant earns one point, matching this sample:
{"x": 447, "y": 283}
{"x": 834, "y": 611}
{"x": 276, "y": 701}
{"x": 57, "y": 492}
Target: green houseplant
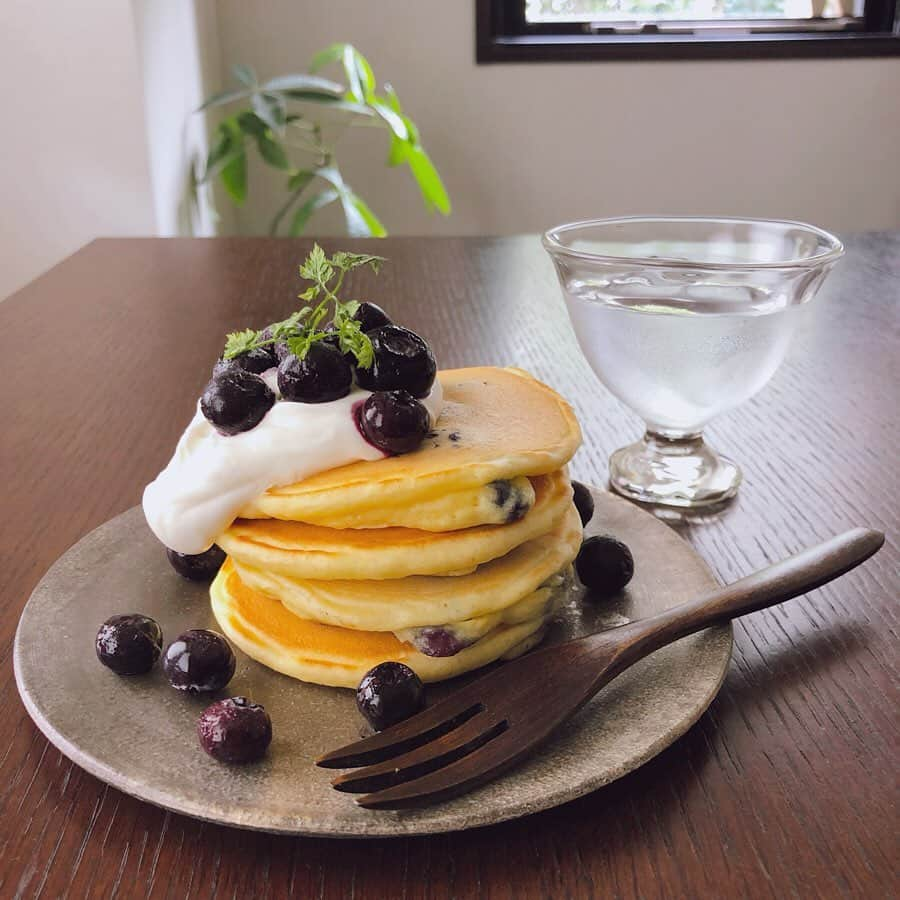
{"x": 293, "y": 123}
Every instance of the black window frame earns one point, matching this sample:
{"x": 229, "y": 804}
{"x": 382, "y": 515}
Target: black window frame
{"x": 503, "y": 35}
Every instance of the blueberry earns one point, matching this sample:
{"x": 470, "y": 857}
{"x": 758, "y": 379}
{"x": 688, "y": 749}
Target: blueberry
{"x": 583, "y": 500}
{"x": 322, "y": 375}
{"x": 508, "y": 497}
{"x": 199, "y": 661}
{"x": 371, "y": 316}
{"x": 236, "y": 400}
{"x": 393, "y": 421}
{"x": 197, "y": 566}
{"x": 279, "y": 349}
{"x": 402, "y": 361}
{"x": 257, "y": 361}
{"x": 129, "y": 644}
{"x": 388, "y": 694}
{"x": 331, "y": 338}
{"x": 234, "y": 730}
{"x": 438, "y": 642}
{"x": 604, "y": 564}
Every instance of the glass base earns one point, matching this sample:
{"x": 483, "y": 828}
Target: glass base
{"x": 680, "y": 471}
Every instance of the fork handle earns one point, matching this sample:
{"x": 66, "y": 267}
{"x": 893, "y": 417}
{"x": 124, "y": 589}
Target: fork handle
{"x": 789, "y": 578}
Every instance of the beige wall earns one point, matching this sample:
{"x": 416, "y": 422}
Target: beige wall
{"x": 524, "y": 146}
{"x": 73, "y": 162}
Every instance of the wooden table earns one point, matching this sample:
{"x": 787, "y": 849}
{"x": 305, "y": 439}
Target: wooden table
{"x": 785, "y": 788}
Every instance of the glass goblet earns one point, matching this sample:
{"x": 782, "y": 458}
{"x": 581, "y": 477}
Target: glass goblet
{"x": 683, "y": 319}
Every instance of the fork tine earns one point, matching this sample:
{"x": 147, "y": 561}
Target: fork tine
{"x": 424, "y": 759}
{"x": 498, "y": 753}
{"x": 415, "y": 731}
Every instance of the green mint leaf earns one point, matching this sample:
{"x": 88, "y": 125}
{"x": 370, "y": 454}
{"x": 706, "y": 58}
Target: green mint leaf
{"x": 347, "y": 309}
{"x": 352, "y": 339}
{"x": 317, "y": 268}
{"x": 346, "y": 261}
{"x": 291, "y": 326}
{"x": 239, "y": 342}
{"x": 300, "y": 345}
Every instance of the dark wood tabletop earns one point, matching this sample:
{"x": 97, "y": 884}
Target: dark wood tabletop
{"x": 786, "y": 787}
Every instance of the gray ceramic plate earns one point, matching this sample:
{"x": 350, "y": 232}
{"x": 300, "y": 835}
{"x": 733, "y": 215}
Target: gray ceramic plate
{"x": 138, "y": 734}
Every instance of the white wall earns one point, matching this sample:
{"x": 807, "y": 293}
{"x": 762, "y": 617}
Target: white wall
{"x": 173, "y": 43}
{"x": 525, "y": 146}
{"x": 73, "y": 162}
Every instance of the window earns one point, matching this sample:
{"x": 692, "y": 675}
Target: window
{"x": 571, "y": 30}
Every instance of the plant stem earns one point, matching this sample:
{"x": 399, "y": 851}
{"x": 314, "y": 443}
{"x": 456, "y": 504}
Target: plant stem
{"x": 273, "y": 227}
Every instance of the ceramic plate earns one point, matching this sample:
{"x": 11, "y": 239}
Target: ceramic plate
{"x": 138, "y": 734}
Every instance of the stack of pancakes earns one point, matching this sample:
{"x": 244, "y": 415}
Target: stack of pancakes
{"x": 445, "y": 559}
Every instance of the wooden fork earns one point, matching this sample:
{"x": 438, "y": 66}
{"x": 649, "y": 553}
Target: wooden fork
{"x": 492, "y": 723}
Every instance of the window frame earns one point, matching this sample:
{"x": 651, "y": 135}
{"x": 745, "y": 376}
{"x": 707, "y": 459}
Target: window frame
{"x": 502, "y": 36}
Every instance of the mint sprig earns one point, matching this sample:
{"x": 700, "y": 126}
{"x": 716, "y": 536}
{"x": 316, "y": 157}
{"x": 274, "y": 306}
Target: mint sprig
{"x": 301, "y": 329}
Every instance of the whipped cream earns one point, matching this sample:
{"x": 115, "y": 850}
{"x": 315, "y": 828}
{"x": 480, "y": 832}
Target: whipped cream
{"x": 212, "y": 477}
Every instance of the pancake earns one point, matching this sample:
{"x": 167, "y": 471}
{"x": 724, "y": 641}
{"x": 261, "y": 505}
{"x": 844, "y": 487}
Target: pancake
{"x": 421, "y": 600}
{"x": 339, "y": 657}
{"x": 540, "y": 603}
{"x": 312, "y": 551}
{"x": 496, "y": 424}
{"x": 500, "y": 501}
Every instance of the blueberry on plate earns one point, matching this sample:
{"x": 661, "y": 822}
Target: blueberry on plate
{"x": 604, "y": 564}
{"x": 236, "y": 400}
{"x": 197, "y": 566}
{"x": 129, "y": 644}
{"x": 393, "y": 421}
{"x": 388, "y": 694}
{"x": 199, "y": 661}
{"x": 257, "y": 361}
{"x": 583, "y": 500}
{"x": 402, "y": 361}
{"x": 371, "y": 316}
{"x": 235, "y": 730}
{"x": 322, "y": 375}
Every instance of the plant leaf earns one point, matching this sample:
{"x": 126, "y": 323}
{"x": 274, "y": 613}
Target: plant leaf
{"x": 269, "y": 149}
{"x": 239, "y": 342}
{"x": 330, "y": 54}
{"x": 300, "y": 178}
{"x": 347, "y": 106}
{"x": 221, "y": 147}
{"x": 351, "y": 337}
{"x": 289, "y": 326}
{"x": 251, "y": 124}
{"x": 305, "y": 83}
{"x": 399, "y": 152}
{"x": 303, "y": 214}
{"x": 430, "y": 184}
{"x": 332, "y": 176}
{"x": 392, "y": 98}
{"x": 244, "y": 74}
{"x": 347, "y": 261}
{"x": 394, "y": 121}
{"x": 270, "y": 109}
{"x": 272, "y": 152}
{"x": 222, "y": 98}
{"x": 359, "y": 73}
{"x": 234, "y": 177}
{"x": 362, "y": 219}
{"x": 355, "y": 87}
{"x": 316, "y": 266}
